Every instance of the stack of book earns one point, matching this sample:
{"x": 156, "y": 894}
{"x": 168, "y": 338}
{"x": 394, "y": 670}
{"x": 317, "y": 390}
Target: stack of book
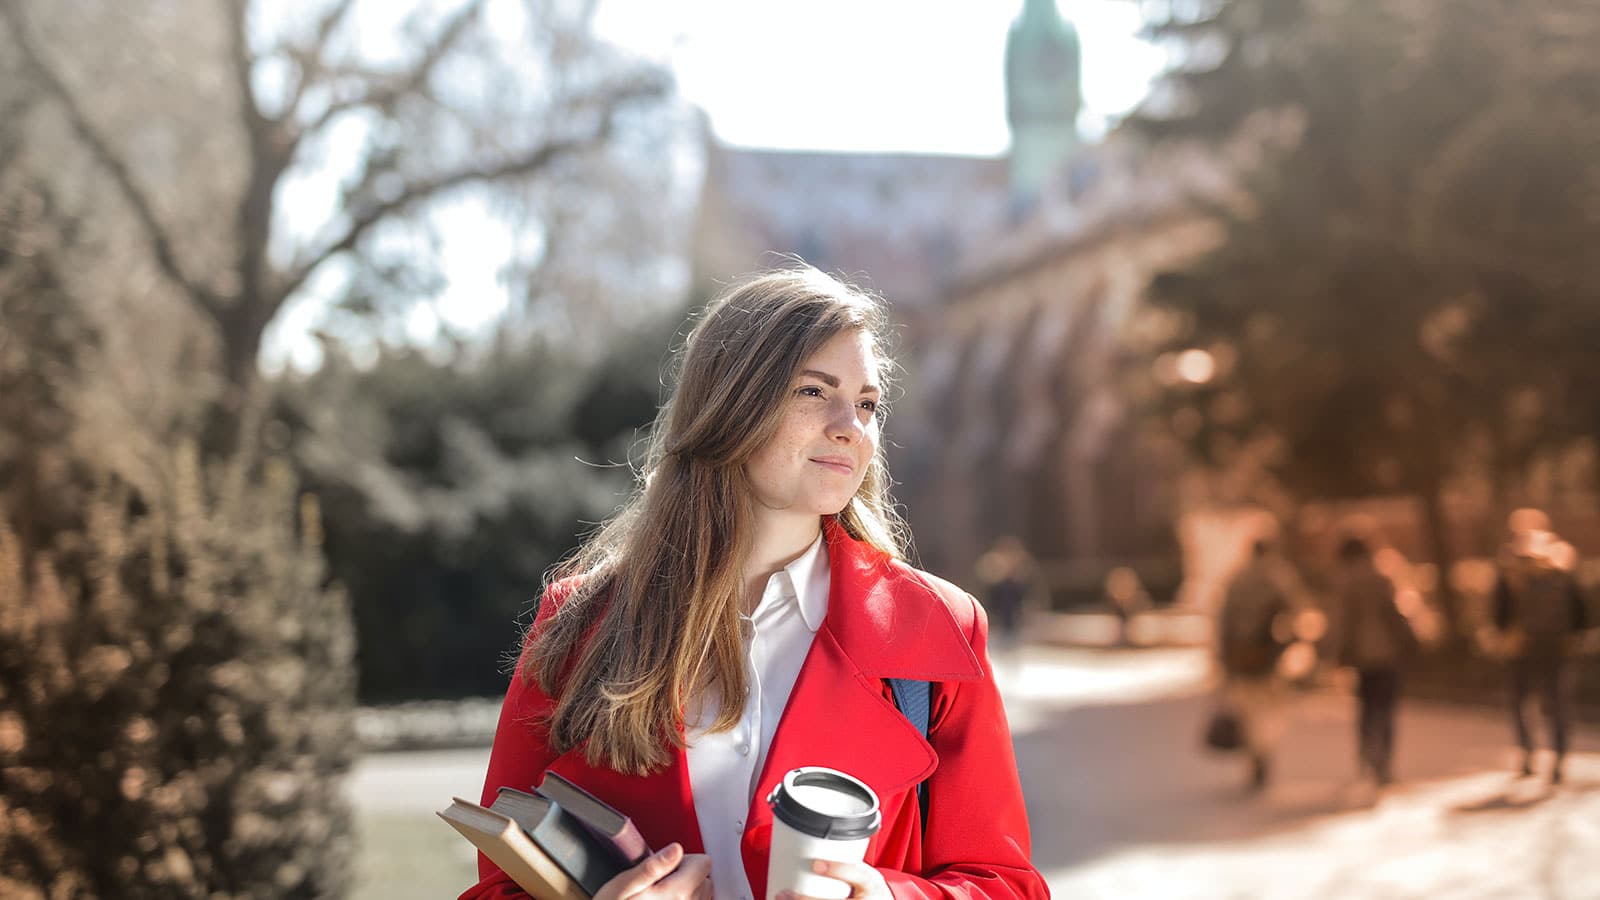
{"x": 558, "y": 843}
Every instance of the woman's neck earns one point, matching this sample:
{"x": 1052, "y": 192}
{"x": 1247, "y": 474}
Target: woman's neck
{"x": 777, "y": 541}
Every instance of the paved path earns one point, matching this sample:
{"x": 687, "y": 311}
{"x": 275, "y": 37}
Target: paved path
{"x": 1123, "y": 805}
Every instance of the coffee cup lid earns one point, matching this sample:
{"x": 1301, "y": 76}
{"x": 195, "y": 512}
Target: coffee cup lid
{"x": 789, "y": 807}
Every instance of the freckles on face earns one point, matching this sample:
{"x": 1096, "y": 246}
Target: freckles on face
{"x": 818, "y": 457}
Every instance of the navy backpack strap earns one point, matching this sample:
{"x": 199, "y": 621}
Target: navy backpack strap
{"x": 914, "y": 700}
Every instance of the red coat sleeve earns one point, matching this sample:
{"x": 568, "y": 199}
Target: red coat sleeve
{"x": 518, "y": 758}
{"x": 977, "y": 845}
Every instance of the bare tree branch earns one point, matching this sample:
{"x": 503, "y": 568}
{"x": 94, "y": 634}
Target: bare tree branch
{"x": 311, "y": 58}
{"x": 412, "y": 80}
{"x": 329, "y": 21}
{"x": 242, "y": 62}
{"x": 11, "y": 140}
{"x": 520, "y": 166}
{"x": 269, "y": 154}
{"x": 160, "y": 243}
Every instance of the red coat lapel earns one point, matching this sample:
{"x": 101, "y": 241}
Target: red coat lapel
{"x": 884, "y": 621}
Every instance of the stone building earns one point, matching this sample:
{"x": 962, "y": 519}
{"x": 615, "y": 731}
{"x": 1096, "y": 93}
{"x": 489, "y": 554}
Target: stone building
{"x": 1023, "y": 424}
{"x": 896, "y": 223}
{"x": 1012, "y": 281}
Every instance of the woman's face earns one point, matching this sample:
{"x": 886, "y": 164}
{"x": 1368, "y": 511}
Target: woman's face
{"x": 816, "y": 460}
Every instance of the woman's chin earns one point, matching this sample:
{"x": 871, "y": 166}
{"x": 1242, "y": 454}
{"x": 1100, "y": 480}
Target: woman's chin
{"x": 820, "y": 504}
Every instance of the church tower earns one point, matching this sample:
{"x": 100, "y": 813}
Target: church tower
{"x": 1043, "y": 96}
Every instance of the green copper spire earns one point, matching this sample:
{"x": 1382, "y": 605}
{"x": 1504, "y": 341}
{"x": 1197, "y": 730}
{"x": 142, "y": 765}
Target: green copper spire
{"x": 1043, "y": 96}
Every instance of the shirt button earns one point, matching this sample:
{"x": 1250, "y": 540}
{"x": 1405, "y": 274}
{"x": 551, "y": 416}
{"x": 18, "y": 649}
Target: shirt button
{"x": 744, "y": 749}
{"x": 738, "y": 827}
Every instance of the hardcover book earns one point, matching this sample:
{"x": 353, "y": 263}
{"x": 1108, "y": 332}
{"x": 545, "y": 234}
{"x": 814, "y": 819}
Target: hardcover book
{"x": 603, "y": 821}
{"x": 502, "y": 839}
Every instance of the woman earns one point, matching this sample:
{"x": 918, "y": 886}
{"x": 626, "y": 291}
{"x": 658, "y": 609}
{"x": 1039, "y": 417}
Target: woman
{"x": 740, "y": 617}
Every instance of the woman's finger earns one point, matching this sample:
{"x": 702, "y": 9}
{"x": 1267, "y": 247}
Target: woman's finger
{"x": 703, "y": 892}
{"x": 852, "y": 873}
{"x": 692, "y": 874}
{"x": 860, "y": 876}
{"x": 646, "y": 873}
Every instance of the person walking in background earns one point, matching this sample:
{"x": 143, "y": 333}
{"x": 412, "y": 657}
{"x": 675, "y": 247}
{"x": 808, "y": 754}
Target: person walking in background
{"x": 1126, "y": 597}
{"x": 1539, "y": 614}
{"x": 1253, "y": 629}
{"x": 1008, "y": 574}
{"x": 1372, "y": 636}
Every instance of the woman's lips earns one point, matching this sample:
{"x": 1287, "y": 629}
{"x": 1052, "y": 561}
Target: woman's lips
{"x": 838, "y": 465}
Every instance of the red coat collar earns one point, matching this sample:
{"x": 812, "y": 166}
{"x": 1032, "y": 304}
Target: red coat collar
{"x": 885, "y": 620}
{"x": 889, "y": 619}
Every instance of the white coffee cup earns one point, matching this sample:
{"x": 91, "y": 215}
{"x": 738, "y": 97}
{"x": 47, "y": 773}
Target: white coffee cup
{"x": 818, "y": 813}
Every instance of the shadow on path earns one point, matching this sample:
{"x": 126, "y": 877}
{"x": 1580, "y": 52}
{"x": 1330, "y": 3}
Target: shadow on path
{"x": 1517, "y": 794}
{"x": 1523, "y": 793}
{"x": 1105, "y": 778}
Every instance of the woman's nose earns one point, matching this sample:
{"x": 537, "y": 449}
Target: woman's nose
{"x": 844, "y": 424}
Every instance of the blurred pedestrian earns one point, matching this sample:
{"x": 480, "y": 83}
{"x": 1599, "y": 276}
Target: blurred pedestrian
{"x": 1539, "y": 615}
{"x": 1008, "y": 575}
{"x": 1126, "y": 596}
{"x": 1253, "y": 629}
{"x": 1374, "y": 637}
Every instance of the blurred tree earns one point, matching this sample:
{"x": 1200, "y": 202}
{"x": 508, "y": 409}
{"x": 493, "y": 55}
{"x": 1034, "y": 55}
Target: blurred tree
{"x": 175, "y": 676}
{"x": 1404, "y": 262}
{"x": 175, "y": 682}
{"x": 450, "y": 485}
{"x": 407, "y": 114}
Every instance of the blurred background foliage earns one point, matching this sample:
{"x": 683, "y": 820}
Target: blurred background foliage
{"x": 190, "y": 549}
{"x": 175, "y": 669}
{"x": 450, "y": 485}
{"x": 1402, "y": 301}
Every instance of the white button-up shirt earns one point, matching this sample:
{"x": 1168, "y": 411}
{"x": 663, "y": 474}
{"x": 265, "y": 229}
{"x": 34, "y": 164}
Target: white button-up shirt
{"x": 723, "y": 766}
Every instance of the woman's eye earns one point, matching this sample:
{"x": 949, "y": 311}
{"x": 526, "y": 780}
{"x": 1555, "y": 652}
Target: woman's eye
{"x": 810, "y": 391}
{"x": 870, "y": 406}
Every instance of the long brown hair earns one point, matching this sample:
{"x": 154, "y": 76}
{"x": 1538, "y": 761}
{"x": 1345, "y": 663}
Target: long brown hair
{"x": 655, "y": 616}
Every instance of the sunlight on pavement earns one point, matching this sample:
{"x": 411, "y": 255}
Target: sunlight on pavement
{"x": 1038, "y": 682}
{"x": 1125, "y": 805}
{"x": 1483, "y": 835}
{"x": 417, "y": 781}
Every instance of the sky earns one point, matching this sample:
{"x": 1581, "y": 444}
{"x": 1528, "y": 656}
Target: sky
{"x": 871, "y": 75}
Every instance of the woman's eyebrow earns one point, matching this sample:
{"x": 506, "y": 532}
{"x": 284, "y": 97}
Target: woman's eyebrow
{"x": 829, "y": 380}
{"x": 833, "y": 381}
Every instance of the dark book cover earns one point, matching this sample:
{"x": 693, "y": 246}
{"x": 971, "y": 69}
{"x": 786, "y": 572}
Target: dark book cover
{"x": 562, "y": 836}
{"x": 602, "y": 820}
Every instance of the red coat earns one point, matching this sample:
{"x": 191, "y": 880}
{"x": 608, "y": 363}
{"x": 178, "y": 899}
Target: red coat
{"x": 885, "y": 620}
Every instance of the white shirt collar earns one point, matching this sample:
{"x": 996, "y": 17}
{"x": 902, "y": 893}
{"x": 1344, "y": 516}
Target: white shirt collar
{"x": 806, "y": 579}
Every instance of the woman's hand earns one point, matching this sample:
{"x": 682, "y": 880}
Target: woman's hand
{"x": 667, "y": 874}
{"x": 866, "y": 883}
